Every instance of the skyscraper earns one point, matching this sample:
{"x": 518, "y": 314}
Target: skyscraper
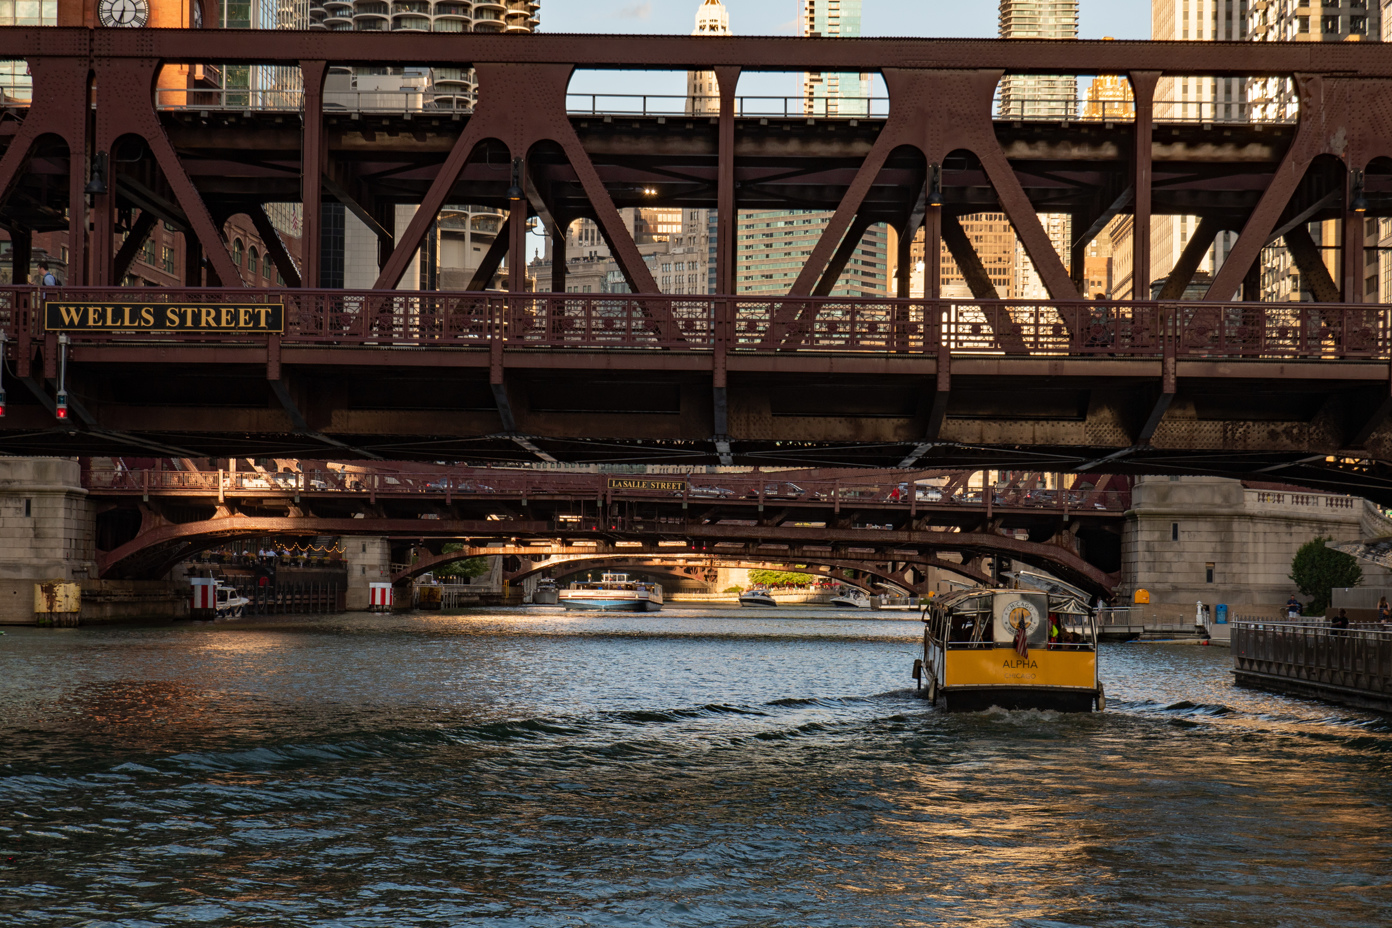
{"x": 702, "y": 90}
{"x": 458, "y": 240}
{"x": 1038, "y": 96}
{"x": 829, "y": 93}
{"x": 772, "y": 245}
{"x": 1273, "y": 99}
{"x": 1204, "y": 100}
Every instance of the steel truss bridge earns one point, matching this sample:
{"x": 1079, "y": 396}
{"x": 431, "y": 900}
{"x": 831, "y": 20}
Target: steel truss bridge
{"x": 1227, "y": 385}
{"x": 882, "y": 523}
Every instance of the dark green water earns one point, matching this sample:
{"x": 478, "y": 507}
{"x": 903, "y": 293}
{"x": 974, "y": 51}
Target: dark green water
{"x": 693, "y": 768}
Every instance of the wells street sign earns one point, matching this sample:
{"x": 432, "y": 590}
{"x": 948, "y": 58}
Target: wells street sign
{"x": 642, "y": 483}
{"x": 249, "y": 318}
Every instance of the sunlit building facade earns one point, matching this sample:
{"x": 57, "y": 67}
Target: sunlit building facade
{"x": 826, "y": 93}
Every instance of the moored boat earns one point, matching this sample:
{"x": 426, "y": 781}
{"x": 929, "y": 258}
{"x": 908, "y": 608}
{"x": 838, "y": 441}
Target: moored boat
{"x": 757, "y": 598}
{"x": 546, "y": 593}
{"x": 1011, "y": 648}
{"x": 230, "y": 603}
{"x": 613, "y": 593}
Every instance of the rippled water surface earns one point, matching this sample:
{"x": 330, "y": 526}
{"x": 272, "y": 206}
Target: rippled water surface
{"x": 692, "y": 768}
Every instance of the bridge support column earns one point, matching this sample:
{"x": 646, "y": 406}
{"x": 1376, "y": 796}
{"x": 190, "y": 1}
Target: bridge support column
{"x": 21, "y": 253}
{"x": 47, "y": 531}
{"x": 726, "y": 214}
{"x": 1353, "y": 265}
{"x": 369, "y": 561}
{"x": 1143, "y": 87}
{"x": 312, "y": 162}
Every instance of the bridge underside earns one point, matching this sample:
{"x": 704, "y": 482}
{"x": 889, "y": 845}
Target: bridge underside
{"x": 1314, "y": 422}
{"x": 139, "y": 538}
{"x": 909, "y": 576}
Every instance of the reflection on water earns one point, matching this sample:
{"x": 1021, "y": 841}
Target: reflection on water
{"x": 689, "y": 768}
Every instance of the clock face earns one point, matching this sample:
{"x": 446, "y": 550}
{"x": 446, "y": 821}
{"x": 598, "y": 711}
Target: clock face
{"x": 128, "y": 13}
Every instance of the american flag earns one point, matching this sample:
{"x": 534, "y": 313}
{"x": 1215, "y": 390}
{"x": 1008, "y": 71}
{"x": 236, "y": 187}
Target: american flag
{"x": 1022, "y": 639}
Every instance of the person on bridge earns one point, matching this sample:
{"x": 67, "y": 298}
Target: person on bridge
{"x": 1292, "y": 607}
{"x": 1340, "y": 622}
{"x": 46, "y": 278}
{"x": 1384, "y": 610}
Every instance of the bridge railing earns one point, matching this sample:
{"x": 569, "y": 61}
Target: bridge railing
{"x": 744, "y": 489}
{"x": 701, "y": 323}
{"x": 442, "y": 99}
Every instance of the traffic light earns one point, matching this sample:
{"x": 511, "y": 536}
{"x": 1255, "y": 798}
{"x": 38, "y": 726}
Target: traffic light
{"x": 61, "y": 408}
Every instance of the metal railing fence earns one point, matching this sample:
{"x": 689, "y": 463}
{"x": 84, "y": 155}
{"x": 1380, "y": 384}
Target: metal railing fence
{"x": 388, "y": 319}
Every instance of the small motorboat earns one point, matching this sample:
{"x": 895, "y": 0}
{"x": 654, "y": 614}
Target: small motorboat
{"x": 230, "y": 603}
{"x": 757, "y": 598}
{"x": 850, "y": 598}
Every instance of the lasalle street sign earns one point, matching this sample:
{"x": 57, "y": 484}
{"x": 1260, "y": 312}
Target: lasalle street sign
{"x": 241, "y": 318}
{"x": 638, "y": 483}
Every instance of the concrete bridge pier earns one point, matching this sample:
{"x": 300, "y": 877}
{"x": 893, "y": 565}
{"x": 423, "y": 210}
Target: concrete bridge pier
{"x": 369, "y": 561}
{"x": 47, "y": 531}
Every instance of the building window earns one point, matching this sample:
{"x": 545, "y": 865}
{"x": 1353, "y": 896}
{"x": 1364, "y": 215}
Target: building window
{"x": 1208, "y": 572}
{"x": 28, "y": 508}
{"x": 254, "y": 263}
{"x": 168, "y": 258}
{"x": 1174, "y": 531}
{"x": 237, "y": 249}
{"x": 1329, "y": 25}
{"x": 1358, "y": 25}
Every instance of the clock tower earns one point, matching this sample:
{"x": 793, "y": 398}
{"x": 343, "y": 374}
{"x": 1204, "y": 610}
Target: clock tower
{"x": 138, "y": 14}
{"x": 143, "y": 14}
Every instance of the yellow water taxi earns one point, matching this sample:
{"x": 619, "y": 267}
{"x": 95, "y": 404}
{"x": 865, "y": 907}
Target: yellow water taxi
{"x": 1011, "y": 648}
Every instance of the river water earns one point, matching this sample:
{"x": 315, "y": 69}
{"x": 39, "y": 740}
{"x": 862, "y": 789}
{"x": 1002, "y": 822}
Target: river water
{"x": 692, "y": 768}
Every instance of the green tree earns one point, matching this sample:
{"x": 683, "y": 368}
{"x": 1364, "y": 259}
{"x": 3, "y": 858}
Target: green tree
{"x": 778, "y": 578}
{"x": 1317, "y": 569}
{"x": 467, "y": 568}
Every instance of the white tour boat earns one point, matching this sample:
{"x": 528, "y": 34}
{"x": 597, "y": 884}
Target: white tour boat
{"x": 613, "y": 593}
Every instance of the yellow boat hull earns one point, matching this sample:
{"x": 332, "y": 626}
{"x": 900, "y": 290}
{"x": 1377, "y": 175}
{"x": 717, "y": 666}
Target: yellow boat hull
{"x": 976, "y": 679}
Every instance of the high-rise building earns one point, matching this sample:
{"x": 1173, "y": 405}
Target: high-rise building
{"x": 457, "y": 241}
{"x": 674, "y": 243}
{"x": 773, "y": 245}
{"x": 827, "y": 93}
{"x": 1204, "y": 100}
{"x": 1274, "y": 99}
{"x": 1109, "y": 96}
{"x": 1038, "y": 96}
{"x": 702, "y": 89}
